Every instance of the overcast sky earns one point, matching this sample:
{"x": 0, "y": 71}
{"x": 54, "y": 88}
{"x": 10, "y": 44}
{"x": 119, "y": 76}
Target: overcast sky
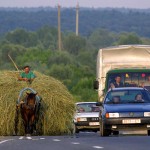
{"x": 72, "y": 3}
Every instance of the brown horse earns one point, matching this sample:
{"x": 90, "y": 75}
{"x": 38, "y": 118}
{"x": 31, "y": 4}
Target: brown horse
{"x": 28, "y": 111}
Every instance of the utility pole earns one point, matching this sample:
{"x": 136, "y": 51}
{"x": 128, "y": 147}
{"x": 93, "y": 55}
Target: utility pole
{"x": 77, "y": 19}
{"x": 59, "y": 30}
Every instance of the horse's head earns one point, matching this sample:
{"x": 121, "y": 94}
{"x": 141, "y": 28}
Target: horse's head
{"x": 31, "y": 98}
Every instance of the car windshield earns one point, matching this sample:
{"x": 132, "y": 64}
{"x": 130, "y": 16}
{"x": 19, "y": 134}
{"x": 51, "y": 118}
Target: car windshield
{"x": 87, "y": 107}
{"x": 127, "y": 96}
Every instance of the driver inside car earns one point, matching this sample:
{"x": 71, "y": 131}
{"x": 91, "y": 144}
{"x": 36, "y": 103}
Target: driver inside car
{"x": 116, "y": 99}
{"x": 138, "y": 98}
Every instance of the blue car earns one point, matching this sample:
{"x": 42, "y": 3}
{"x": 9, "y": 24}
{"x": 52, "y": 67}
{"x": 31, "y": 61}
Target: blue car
{"x": 125, "y": 109}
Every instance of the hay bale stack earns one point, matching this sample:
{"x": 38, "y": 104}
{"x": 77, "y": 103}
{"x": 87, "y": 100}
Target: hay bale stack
{"x": 57, "y": 104}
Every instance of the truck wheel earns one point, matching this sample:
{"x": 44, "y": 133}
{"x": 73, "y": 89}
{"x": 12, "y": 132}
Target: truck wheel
{"x": 115, "y": 132}
{"x": 103, "y": 131}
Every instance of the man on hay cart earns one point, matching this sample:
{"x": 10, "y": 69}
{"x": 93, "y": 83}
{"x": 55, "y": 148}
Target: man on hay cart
{"x": 27, "y": 75}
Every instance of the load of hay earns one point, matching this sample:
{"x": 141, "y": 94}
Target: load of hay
{"x": 57, "y": 104}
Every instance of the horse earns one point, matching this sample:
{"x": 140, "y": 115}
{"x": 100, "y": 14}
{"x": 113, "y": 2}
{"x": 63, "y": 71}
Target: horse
{"x": 28, "y": 111}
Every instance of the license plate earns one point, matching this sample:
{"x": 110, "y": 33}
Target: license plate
{"x": 93, "y": 123}
{"x": 130, "y": 121}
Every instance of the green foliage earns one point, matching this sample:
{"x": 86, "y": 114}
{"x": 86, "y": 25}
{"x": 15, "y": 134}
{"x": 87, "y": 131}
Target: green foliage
{"x": 22, "y": 37}
{"x": 73, "y": 44}
{"x": 101, "y": 38}
{"x": 129, "y": 38}
{"x": 83, "y": 90}
{"x": 87, "y": 58}
{"x": 145, "y": 41}
{"x": 61, "y": 71}
{"x": 33, "y": 55}
{"x": 13, "y": 50}
{"x": 60, "y": 57}
{"x": 75, "y": 65}
{"x": 48, "y": 37}
{"x": 115, "y": 20}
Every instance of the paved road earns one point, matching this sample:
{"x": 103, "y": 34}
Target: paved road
{"x": 81, "y": 141}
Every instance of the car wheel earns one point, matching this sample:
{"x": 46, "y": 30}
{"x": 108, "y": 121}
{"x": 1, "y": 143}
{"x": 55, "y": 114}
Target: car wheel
{"x": 95, "y": 131}
{"x": 115, "y": 132}
{"x": 103, "y": 131}
{"x": 148, "y": 132}
{"x": 75, "y": 129}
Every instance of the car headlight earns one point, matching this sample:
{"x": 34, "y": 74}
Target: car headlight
{"x": 146, "y": 114}
{"x": 112, "y": 115}
{"x": 82, "y": 119}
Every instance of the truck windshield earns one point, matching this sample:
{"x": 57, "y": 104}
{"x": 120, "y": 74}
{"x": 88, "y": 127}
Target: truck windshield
{"x": 129, "y": 79}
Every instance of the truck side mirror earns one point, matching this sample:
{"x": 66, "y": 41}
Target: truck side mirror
{"x": 96, "y": 85}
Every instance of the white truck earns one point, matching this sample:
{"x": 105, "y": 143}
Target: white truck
{"x": 130, "y": 62}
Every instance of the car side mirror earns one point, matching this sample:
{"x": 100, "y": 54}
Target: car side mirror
{"x": 96, "y": 85}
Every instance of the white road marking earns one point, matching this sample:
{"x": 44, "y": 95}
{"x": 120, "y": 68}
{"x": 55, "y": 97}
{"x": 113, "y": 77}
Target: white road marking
{"x": 56, "y": 140}
{"x": 29, "y": 138}
{"x": 21, "y": 138}
{"x": 1, "y": 142}
{"x": 42, "y": 138}
{"x": 98, "y": 147}
{"x": 75, "y": 143}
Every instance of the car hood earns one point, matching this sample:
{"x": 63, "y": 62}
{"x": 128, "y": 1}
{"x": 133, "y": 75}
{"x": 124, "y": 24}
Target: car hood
{"x": 89, "y": 114}
{"x": 127, "y": 107}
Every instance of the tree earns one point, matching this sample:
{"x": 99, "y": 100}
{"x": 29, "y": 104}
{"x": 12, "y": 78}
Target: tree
{"x": 22, "y": 37}
{"x": 48, "y": 37}
{"x": 83, "y": 90}
{"x": 61, "y": 71}
{"x": 60, "y": 57}
{"x": 129, "y": 38}
{"x": 73, "y": 44}
{"x": 101, "y": 38}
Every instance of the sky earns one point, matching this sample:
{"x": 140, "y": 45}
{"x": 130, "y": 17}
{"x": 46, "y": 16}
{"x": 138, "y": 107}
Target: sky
{"x": 141, "y": 4}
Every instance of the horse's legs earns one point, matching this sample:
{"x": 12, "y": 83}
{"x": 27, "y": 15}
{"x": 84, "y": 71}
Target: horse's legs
{"x": 32, "y": 124}
{"x": 26, "y": 123}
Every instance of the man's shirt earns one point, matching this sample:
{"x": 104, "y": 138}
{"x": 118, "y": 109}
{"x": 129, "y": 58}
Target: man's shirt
{"x": 118, "y": 85}
{"x": 29, "y": 75}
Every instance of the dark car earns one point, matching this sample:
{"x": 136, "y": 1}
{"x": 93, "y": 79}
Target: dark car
{"x": 125, "y": 109}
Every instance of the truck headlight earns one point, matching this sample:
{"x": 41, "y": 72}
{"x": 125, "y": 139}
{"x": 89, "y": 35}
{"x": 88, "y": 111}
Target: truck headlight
{"x": 146, "y": 114}
{"x": 112, "y": 115}
{"x": 81, "y": 119}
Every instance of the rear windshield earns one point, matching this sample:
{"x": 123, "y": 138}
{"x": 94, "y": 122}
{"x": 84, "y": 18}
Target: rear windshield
{"x": 127, "y": 96}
